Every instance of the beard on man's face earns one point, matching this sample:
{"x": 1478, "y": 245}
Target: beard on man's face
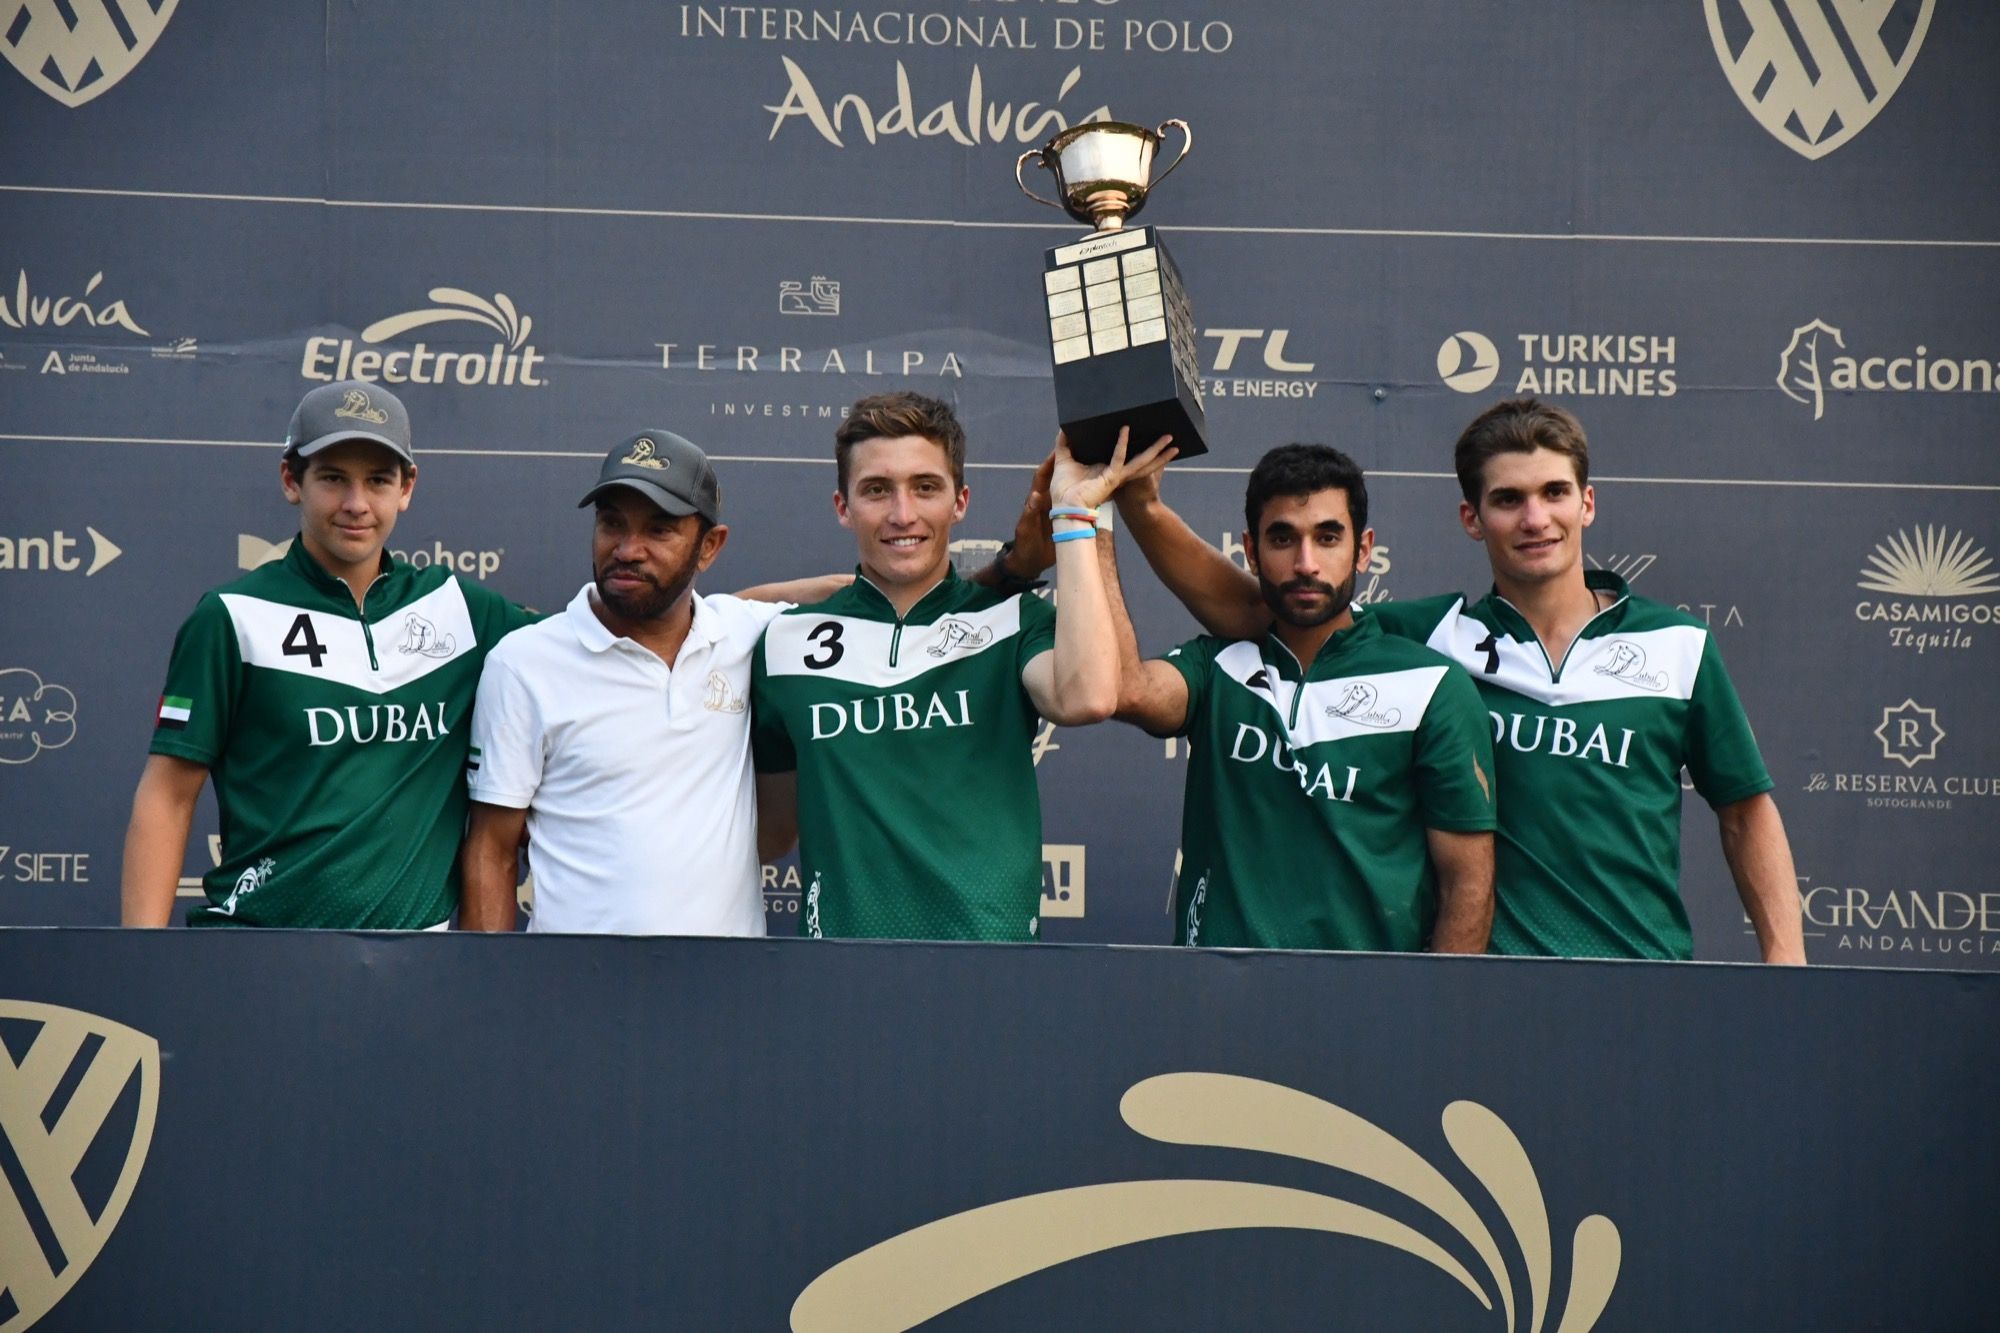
{"x": 653, "y": 599}
{"x": 1334, "y": 600}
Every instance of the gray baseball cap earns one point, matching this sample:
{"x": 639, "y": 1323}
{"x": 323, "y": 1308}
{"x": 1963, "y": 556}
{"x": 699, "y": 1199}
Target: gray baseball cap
{"x": 666, "y": 469}
{"x": 349, "y": 410}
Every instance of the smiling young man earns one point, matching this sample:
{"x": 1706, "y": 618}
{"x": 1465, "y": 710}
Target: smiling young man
{"x": 896, "y": 716}
{"x": 1337, "y": 794}
{"x": 328, "y": 695}
{"x": 1597, "y": 700}
{"x": 617, "y": 736}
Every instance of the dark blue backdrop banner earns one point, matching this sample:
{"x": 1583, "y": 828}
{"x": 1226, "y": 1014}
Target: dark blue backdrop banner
{"x": 327, "y": 1131}
{"x": 1747, "y": 243}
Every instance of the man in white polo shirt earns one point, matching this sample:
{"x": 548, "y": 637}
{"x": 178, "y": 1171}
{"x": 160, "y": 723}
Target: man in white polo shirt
{"x": 617, "y": 734}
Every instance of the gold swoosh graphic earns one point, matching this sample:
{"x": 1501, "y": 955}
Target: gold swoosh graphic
{"x": 1593, "y": 1272}
{"x": 927, "y": 1270}
{"x": 914, "y": 1276}
{"x": 1229, "y": 1111}
{"x": 1495, "y": 1157}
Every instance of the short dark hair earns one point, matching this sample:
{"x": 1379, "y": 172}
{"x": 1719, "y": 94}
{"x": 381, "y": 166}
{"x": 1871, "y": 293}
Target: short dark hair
{"x": 1300, "y": 470}
{"x": 1517, "y": 426}
{"x": 889, "y": 416}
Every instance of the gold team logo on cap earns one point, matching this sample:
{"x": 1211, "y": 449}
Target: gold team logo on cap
{"x": 923, "y": 1272}
{"x": 359, "y": 407}
{"x": 644, "y": 455}
{"x": 36, "y": 1276}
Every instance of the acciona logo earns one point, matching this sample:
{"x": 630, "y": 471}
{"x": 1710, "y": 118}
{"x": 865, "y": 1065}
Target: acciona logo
{"x": 1818, "y": 360}
{"x": 511, "y": 362}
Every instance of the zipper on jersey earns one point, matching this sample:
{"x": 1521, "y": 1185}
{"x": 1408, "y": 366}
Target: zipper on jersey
{"x": 1298, "y": 689}
{"x": 367, "y": 637}
{"x": 1556, "y": 668}
{"x": 895, "y": 640}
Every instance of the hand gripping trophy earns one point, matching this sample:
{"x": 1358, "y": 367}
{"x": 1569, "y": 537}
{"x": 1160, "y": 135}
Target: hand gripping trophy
{"x": 1120, "y": 331}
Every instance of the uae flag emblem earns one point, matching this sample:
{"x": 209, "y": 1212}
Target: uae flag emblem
{"x": 174, "y": 711}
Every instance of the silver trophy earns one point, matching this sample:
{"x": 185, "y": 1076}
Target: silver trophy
{"x": 1121, "y": 334}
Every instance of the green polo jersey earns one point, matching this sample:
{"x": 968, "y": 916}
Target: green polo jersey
{"x": 911, "y": 736}
{"x": 1588, "y": 754}
{"x": 336, "y": 739}
{"x": 1309, "y": 790}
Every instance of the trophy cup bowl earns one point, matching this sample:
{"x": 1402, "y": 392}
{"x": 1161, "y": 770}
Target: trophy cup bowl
{"x": 1103, "y": 168}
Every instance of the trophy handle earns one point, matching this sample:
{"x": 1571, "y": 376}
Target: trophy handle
{"x": 1041, "y": 158}
{"x": 1187, "y": 142}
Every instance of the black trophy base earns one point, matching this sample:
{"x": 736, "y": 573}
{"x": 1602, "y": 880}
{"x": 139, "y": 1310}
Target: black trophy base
{"x": 1094, "y": 400}
{"x": 1122, "y": 340}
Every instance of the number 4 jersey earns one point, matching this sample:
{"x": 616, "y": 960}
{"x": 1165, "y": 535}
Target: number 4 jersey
{"x": 1588, "y": 755}
{"x": 336, "y": 740}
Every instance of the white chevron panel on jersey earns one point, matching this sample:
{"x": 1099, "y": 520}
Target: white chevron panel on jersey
{"x": 432, "y": 632}
{"x": 1649, "y": 664}
{"x": 857, "y": 651}
{"x": 1368, "y": 704}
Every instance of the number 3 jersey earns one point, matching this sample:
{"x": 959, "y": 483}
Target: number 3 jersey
{"x": 918, "y": 812}
{"x": 336, "y": 739}
{"x": 1589, "y": 753}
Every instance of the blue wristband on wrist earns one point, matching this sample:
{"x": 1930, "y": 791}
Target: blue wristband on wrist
{"x": 1075, "y": 535}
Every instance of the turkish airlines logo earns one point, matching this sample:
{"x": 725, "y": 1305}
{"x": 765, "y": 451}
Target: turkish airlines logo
{"x": 1807, "y": 92}
{"x": 907, "y": 1279}
{"x": 75, "y": 55}
{"x": 1468, "y": 361}
{"x": 100, "y": 1061}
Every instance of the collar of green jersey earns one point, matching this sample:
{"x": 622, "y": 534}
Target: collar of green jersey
{"x": 1332, "y": 655}
{"x": 340, "y": 598}
{"x": 1498, "y": 612}
{"x": 871, "y": 603}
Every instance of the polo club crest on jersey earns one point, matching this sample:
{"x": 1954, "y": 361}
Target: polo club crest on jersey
{"x": 98, "y": 1120}
{"x": 1196, "y": 901}
{"x": 420, "y": 636}
{"x": 720, "y": 698}
{"x": 357, "y": 407}
{"x": 1808, "y": 93}
{"x": 1357, "y": 705}
{"x": 74, "y": 56}
{"x": 954, "y": 634}
{"x": 247, "y": 883}
{"x": 1628, "y": 663}
{"x": 812, "y": 906}
{"x": 644, "y": 454}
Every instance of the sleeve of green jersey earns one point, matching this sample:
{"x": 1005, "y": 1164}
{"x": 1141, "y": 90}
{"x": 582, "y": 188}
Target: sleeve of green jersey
{"x": 204, "y": 680}
{"x": 1722, "y": 755}
{"x": 1038, "y": 629}
{"x": 495, "y": 616}
{"x": 1195, "y": 660}
{"x": 1413, "y": 620}
{"x": 1454, "y": 758}
{"x": 771, "y": 749}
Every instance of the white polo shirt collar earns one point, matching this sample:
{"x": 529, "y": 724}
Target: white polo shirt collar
{"x": 594, "y": 634}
